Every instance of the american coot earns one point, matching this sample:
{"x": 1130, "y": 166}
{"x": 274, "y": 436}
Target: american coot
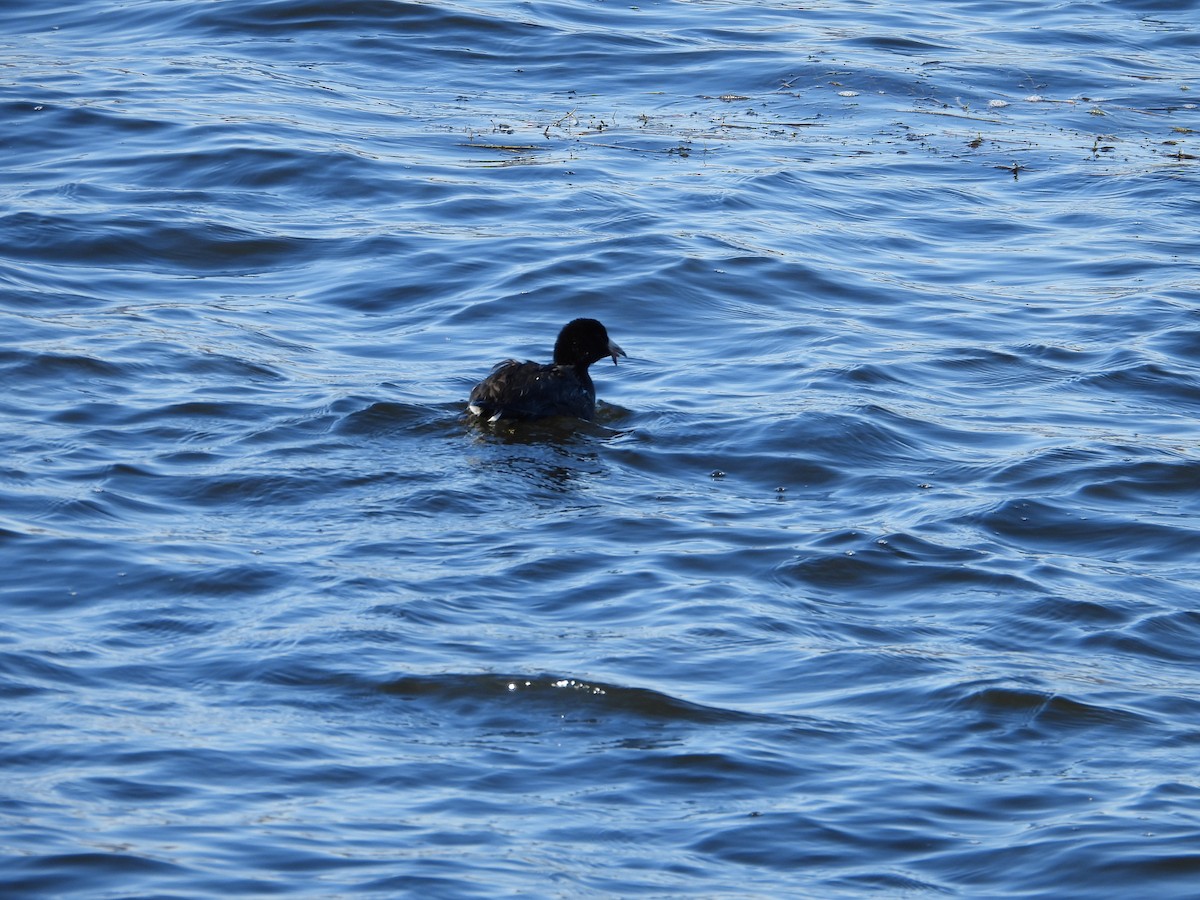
{"x": 529, "y": 390}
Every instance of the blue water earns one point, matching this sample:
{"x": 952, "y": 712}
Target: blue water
{"x": 878, "y": 574}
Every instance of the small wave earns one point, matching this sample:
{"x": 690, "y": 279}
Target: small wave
{"x": 56, "y": 874}
{"x": 996, "y": 704}
{"x": 1046, "y": 525}
{"x": 898, "y": 565}
{"x": 576, "y": 697}
{"x": 1166, "y": 636}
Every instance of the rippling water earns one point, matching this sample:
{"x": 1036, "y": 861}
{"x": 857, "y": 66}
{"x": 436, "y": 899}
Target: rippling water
{"x": 878, "y": 573}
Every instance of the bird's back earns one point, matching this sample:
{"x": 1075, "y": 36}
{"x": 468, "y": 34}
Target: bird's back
{"x": 529, "y": 390}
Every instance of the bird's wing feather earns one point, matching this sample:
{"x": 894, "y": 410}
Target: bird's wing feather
{"x": 523, "y": 390}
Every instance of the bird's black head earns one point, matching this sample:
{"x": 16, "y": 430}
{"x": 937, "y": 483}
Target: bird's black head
{"x": 583, "y": 342}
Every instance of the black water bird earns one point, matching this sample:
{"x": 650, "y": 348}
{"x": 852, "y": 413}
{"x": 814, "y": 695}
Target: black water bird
{"x": 529, "y": 390}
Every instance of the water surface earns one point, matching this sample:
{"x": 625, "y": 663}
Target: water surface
{"x": 877, "y": 573}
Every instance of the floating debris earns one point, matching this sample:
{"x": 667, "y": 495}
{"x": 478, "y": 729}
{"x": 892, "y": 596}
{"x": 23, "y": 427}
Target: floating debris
{"x": 507, "y": 148}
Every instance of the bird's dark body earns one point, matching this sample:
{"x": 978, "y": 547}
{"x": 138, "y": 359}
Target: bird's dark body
{"x": 530, "y": 390}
